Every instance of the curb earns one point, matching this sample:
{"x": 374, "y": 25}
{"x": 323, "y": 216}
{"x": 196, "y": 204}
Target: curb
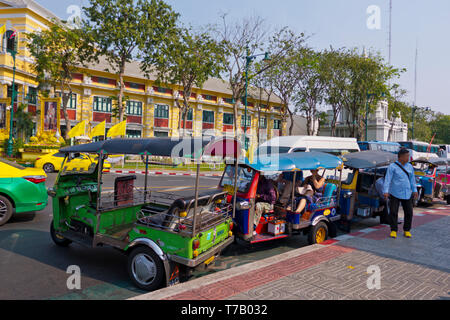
{"x": 224, "y": 274}
{"x": 163, "y": 173}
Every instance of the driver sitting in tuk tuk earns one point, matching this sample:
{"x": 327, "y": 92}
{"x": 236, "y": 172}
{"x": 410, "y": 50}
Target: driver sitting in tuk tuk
{"x": 265, "y": 198}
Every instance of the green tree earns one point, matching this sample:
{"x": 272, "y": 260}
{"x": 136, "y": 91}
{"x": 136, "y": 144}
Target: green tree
{"x": 58, "y": 53}
{"x": 311, "y": 86}
{"x": 243, "y": 39}
{"x": 188, "y": 59}
{"x": 125, "y": 30}
{"x": 283, "y": 75}
{"x": 441, "y": 126}
{"x": 354, "y": 81}
{"x": 23, "y": 122}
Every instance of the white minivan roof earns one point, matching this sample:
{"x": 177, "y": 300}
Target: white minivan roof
{"x": 312, "y": 142}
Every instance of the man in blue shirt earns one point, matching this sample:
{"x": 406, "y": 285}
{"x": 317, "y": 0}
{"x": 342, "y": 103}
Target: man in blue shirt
{"x": 400, "y": 186}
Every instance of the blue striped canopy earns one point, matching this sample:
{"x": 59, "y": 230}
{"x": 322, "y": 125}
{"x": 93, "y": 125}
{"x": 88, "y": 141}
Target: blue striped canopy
{"x": 294, "y": 161}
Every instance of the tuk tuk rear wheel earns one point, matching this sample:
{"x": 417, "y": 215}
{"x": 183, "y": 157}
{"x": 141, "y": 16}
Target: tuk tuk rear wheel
{"x": 145, "y": 268}
{"x": 448, "y": 198}
{"x": 318, "y": 233}
{"x": 58, "y": 239}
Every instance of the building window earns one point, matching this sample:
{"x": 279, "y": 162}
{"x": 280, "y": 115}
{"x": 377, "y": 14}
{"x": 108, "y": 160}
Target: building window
{"x": 10, "y": 41}
{"x": 133, "y": 133}
{"x": 102, "y": 104}
{"x": 247, "y": 123}
{"x": 104, "y": 80}
{"x": 32, "y": 95}
{"x": 262, "y": 123}
{"x": 134, "y": 108}
{"x": 209, "y": 97}
{"x": 208, "y": 116}
{"x": 134, "y": 85}
{"x": 277, "y": 124}
{"x": 9, "y": 92}
{"x": 162, "y": 90}
{"x": 161, "y": 134}
{"x": 249, "y": 104}
{"x": 190, "y": 115}
{"x": 72, "y": 103}
{"x": 228, "y": 118}
{"x": 228, "y": 100}
{"x": 161, "y": 111}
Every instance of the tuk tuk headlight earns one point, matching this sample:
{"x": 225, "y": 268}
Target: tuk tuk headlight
{"x": 243, "y": 205}
{"x": 347, "y": 195}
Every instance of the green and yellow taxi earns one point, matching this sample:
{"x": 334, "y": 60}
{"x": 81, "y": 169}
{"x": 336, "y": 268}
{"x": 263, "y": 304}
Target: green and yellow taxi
{"x": 52, "y": 162}
{"x": 21, "y": 189}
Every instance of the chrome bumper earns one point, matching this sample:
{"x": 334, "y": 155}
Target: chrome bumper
{"x": 204, "y": 256}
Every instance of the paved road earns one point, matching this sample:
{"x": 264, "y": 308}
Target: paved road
{"x": 32, "y": 267}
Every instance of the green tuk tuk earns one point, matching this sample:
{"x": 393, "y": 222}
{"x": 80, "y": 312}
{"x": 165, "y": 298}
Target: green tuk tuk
{"x": 165, "y": 236}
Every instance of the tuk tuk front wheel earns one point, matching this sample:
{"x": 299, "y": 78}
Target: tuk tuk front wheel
{"x": 318, "y": 233}
{"x": 57, "y": 238}
{"x": 145, "y": 268}
{"x": 448, "y": 198}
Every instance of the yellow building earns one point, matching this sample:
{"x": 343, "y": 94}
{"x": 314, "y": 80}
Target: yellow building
{"x": 151, "y": 109}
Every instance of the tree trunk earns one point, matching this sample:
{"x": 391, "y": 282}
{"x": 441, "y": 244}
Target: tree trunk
{"x": 291, "y": 116}
{"x": 65, "y": 98}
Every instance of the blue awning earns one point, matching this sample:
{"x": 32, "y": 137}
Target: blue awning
{"x": 294, "y": 161}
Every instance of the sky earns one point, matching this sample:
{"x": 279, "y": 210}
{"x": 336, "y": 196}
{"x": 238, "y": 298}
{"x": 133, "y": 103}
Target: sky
{"x": 344, "y": 23}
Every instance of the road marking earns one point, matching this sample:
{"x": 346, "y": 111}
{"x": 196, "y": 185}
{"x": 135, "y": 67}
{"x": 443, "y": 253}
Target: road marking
{"x": 177, "y": 189}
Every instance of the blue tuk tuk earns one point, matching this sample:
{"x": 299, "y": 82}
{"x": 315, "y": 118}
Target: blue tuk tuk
{"x": 316, "y": 220}
{"x": 425, "y": 171}
{"x": 359, "y": 197}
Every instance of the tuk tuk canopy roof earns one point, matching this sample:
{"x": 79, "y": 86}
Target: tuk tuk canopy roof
{"x": 165, "y": 147}
{"x": 433, "y": 161}
{"x": 369, "y": 159}
{"x": 294, "y": 161}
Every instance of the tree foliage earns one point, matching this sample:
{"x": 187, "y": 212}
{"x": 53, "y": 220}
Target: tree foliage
{"x": 189, "y": 59}
{"x": 58, "y": 53}
{"x": 125, "y": 30}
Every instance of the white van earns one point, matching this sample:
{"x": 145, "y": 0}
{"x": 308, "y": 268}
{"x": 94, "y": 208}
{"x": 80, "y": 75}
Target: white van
{"x": 289, "y": 144}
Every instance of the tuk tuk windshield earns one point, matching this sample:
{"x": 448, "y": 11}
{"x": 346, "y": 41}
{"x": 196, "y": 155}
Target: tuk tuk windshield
{"x": 79, "y": 163}
{"x": 245, "y": 177}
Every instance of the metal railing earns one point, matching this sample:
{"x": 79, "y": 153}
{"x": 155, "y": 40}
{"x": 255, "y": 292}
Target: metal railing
{"x": 211, "y": 211}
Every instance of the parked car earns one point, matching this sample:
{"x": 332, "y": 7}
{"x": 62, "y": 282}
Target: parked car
{"x": 52, "y": 162}
{"x": 21, "y": 189}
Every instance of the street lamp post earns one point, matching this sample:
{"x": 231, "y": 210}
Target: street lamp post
{"x": 248, "y": 59}
{"x": 9, "y": 149}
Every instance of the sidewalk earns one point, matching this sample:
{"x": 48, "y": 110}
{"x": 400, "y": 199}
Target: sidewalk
{"x": 417, "y": 268}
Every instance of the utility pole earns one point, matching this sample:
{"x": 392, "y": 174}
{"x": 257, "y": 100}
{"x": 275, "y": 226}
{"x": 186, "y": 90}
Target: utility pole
{"x": 390, "y": 31}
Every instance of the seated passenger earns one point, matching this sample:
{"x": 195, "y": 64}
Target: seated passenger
{"x": 265, "y": 198}
{"x": 314, "y": 180}
{"x": 285, "y": 182}
{"x": 303, "y": 197}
